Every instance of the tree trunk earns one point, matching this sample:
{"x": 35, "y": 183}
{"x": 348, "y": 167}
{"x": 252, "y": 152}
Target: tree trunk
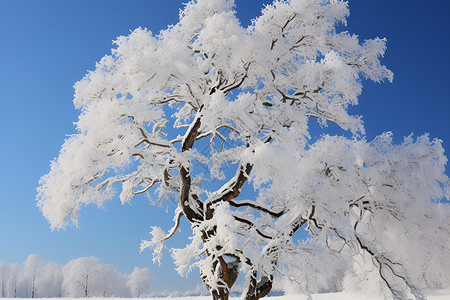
{"x": 221, "y": 294}
{"x": 86, "y": 280}
{"x": 33, "y": 288}
{"x": 258, "y": 289}
{"x": 228, "y": 274}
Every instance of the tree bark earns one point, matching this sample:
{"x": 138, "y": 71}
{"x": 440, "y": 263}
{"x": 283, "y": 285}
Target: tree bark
{"x": 221, "y": 294}
{"x": 258, "y": 289}
{"x": 228, "y": 274}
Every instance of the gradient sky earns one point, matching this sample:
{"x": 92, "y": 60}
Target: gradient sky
{"x": 48, "y": 45}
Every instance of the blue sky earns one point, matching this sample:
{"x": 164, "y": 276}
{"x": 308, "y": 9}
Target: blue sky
{"x": 48, "y": 45}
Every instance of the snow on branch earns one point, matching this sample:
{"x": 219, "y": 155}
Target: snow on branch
{"x": 159, "y": 237}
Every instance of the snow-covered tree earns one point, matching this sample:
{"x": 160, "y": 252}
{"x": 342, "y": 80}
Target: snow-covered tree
{"x": 50, "y": 280}
{"x": 14, "y": 280}
{"x": 111, "y": 282}
{"x": 88, "y": 277}
{"x": 208, "y": 108}
{"x": 33, "y": 266}
{"x": 80, "y": 276}
{"x": 139, "y": 281}
{"x": 4, "y": 274}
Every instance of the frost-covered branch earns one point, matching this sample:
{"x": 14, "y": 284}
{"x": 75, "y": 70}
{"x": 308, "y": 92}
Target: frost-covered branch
{"x": 257, "y": 207}
{"x": 159, "y": 237}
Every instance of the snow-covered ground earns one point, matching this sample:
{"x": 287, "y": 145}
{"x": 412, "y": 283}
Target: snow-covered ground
{"x": 431, "y": 295}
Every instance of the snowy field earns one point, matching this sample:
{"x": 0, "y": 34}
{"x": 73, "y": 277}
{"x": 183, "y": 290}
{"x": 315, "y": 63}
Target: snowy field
{"x": 432, "y": 295}
{"x": 441, "y": 295}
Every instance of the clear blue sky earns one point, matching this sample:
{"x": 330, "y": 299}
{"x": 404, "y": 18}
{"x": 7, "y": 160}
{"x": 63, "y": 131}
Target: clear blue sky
{"x": 48, "y": 45}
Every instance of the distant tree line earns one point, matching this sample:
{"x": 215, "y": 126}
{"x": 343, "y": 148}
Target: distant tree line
{"x": 81, "y": 277}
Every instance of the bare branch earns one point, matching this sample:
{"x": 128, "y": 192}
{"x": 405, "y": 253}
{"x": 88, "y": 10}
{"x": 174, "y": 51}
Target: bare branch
{"x": 384, "y": 262}
{"x": 232, "y": 188}
{"x": 185, "y": 194}
{"x": 175, "y": 227}
{"x": 249, "y": 223}
{"x": 149, "y": 186}
{"x": 257, "y": 207}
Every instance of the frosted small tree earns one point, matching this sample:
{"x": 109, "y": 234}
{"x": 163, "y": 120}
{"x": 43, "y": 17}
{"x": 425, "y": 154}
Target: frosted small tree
{"x": 50, "y": 280}
{"x": 207, "y": 108}
{"x": 4, "y": 275}
{"x": 111, "y": 282}
{"x": 33, "y": 266}
{"x": 88, "y": 277}
{"x": 139, "y": 281}
{"x": 14, "y": 280}
{"x": 80, "y": 276}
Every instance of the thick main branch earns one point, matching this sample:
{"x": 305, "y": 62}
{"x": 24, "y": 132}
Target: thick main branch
{"x": 193, "y": 215}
